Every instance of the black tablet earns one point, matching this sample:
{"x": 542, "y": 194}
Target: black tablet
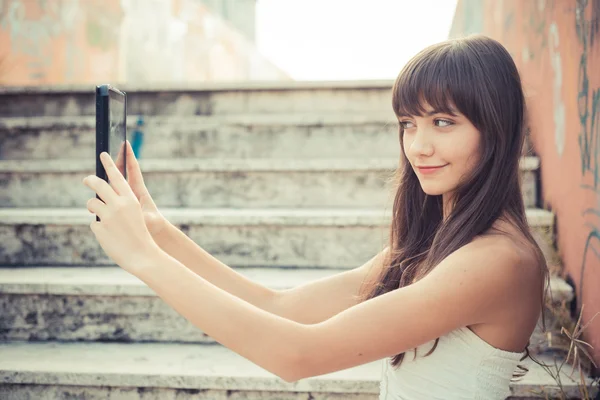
{"x": 111, "y": 132}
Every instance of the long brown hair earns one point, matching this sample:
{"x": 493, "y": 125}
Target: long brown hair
{"x": 477, "y": 76}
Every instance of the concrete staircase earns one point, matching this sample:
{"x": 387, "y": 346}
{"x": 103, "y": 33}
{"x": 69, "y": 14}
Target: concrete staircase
{"x": 286, "y": 182}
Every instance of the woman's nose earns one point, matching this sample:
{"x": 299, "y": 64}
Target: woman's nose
{"x": 421, "y": 144}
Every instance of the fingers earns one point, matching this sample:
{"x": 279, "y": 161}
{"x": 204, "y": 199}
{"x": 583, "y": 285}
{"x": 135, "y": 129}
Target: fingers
{"x": 120, "y": 161}
{"x": 136, "y": 180}
{"x": 117, "y": 180}
{"x": 96, "y": 206}
{"x": 131, "y": 159}
{"x": 101, "y": 187}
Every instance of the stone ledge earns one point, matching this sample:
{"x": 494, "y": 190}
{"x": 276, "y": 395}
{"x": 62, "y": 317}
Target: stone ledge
{"x": 229, "y": 217}
{"x": 197, "y": 367}
{"x": 206, "y": 86}
{"x": 206, "y": 121}
{"x": 223, "y": 165}
{"x": 114, "y": 281}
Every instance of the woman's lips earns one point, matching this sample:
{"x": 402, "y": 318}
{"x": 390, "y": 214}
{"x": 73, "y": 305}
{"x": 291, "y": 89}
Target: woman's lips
{"x": 430, "y": 170}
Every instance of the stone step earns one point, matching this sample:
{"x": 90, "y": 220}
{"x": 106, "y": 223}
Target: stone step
{"x": 273, "y": 136}
{"x": 110, "y": 304}
{"x": 204, "y": 99}
{"x": 236, "y": 183}
{"x": 278, "y": 136}
{"x": 313, "y": 238}
{"x": 148, "y": 371}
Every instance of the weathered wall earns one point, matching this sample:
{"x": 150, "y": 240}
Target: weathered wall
{"x": 556, "y": 45}
{"x": 133, "y": 41}
{"x": 239, "y": 13}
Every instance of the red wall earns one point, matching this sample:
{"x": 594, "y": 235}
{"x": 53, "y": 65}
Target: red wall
{"x": 113, "y": 41}
{"x": 556, "y": 45}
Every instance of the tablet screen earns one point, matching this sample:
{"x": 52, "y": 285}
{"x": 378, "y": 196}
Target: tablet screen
{"x": 116, "y": 130}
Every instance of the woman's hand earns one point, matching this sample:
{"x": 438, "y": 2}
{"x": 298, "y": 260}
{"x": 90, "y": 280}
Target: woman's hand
{"x": 121, "y": 231}
{"x": 155, "y": 221}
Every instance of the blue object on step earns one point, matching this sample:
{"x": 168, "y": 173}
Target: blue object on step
{"x": 137, "y": 140}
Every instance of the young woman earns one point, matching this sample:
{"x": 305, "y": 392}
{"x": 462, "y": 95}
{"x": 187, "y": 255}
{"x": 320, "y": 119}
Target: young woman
{"x": 461, "y": 115}
{"x": 461, "y": 283}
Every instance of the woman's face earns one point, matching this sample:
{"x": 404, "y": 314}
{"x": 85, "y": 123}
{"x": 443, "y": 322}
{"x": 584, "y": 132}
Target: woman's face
{"x": 447, "y": 141}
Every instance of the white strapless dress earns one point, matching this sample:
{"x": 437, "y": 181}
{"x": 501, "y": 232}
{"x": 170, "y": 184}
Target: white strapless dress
{"x": 463, "y": 366}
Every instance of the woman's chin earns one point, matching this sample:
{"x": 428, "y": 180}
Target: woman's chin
{"x": 432, "y": 190}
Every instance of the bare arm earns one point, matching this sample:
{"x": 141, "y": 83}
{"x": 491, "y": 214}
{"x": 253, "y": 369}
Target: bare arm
{"x": 310, "y": 303}
{"x": 321, "y": 299}
{"x": 179, "y": 246}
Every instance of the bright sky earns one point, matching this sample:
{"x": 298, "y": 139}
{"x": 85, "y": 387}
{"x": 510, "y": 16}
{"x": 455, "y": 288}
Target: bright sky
{"x": 348, "y": 39}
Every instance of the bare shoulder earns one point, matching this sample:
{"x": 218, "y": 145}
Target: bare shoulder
{"x": 502, "y": 267}
{"x": 515, "y": 265}
{"x": 509, "y": 249}
{"x": 512, "y": 244}
{"x": 512, "y": 257}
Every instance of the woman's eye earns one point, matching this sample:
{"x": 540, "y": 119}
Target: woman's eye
{"x": 443, "y": 121}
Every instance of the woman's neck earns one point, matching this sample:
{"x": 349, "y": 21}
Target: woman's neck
{"x": 446, "y": 205}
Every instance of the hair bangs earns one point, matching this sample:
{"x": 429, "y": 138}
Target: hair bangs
{"x": 434, "y": 81}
